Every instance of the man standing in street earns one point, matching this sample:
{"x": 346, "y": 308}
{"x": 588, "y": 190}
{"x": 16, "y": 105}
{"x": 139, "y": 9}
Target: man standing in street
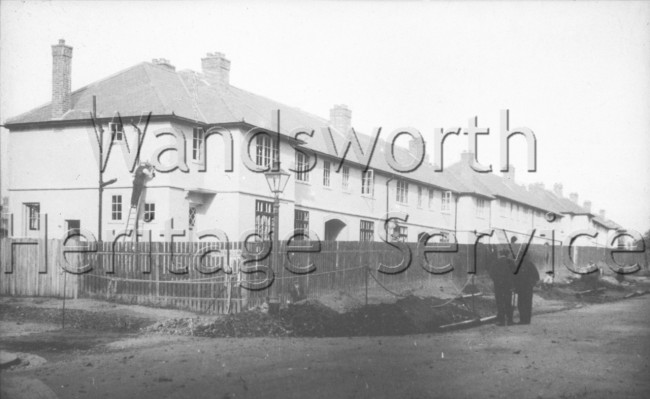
{"x": 501, "y": 270}
{"x": 524, "y": 281}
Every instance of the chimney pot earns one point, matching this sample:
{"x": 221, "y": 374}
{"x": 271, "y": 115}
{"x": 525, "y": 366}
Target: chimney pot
{"x": 163, "y": 62}
{"x": 466, "y": 157}
{"x": 341, "y": 118}
{"x": 574, "y": 197}
{"x": 601, "y": 213}
{"x": 557, "y": 189}
{"x": 216, "y": 68}
{"x": 61, "y": 79}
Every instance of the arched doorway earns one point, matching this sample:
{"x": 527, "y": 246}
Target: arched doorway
{"x": 333, "y": 229}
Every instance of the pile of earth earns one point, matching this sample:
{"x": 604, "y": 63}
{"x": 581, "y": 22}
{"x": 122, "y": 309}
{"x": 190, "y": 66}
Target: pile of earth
{"x": 410, "y": 315}
{"x": 590, "y": 288}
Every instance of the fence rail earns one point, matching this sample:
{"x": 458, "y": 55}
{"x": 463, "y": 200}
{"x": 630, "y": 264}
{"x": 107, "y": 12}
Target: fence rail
{"x": 210, "y": 277}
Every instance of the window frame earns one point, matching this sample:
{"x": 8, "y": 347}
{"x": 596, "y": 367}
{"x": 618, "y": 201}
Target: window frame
{"x": 33, "y": 215}
{"x": 302, "y": 167}
{"x": 327, "y": 174}
{"x": 445, "y": 205}
{"x": 480, "y": 207}
{"x": 402, "y": 233}
{"x": 198, "y": 141}
{"x": 191, "y": 217}
{"x": 366, "y": 230}
{"x": 263, "y": 218}
{"x": 117, "y": 207}
{"x": 266, "y": 152}
{"x": 149, "y": 212}
{"x": 368, "y": 183}
{"x": 117, "y": 135}
{"x": 300, "y": 220}
{"x": 345, "y": 178}
{"x": 402, "y": 192}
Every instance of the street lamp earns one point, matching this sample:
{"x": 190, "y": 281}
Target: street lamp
{"x": 277, "y": 180}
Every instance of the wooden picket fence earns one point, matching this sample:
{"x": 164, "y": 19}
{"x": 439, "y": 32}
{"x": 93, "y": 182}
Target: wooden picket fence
{"x": 214, "y": 277}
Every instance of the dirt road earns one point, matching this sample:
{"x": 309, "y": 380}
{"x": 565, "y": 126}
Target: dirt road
{"x": 592, "y": 352}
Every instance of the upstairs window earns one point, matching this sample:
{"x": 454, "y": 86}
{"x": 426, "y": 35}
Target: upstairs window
{"x": 402, "y": 192}
{"x": 419, "y": 197}
{"x": 368, "y": 182}
{"x": 504, "y": 208}
{"x": 446, "y": 202}
{"x": 346, "y": 178}
{"x": 117, "y": 131}
{"x": 265, "y": 150}
{"x": 480, "y": 207}
{"x": 326, "y": 173}
{"x": 302, "y": 167}
{"x": 430, "y": 198}
{"x": 198, "y": 140}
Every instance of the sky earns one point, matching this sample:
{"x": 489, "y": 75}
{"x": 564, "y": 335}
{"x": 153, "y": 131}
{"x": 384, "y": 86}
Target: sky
{"x": 576, "y": 73}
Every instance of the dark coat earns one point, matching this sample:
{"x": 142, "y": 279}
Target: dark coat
{"x": 527, "y": 276}
{"x": 501, "y": 270}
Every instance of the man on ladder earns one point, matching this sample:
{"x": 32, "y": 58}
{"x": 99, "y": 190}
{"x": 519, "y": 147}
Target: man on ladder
{"x": 144, "y": 172}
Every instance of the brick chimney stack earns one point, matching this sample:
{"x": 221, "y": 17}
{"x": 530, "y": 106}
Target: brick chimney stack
{"x": 587, "y": 206}
{"x": 557, "y": 189}
{"x": 574, "y": 197}
{"x": 466, "y": 157}
{"x": 163, "y": 62}
{"x": 216, "y": 68}
{"x": 601, "y": 213}
{"x": 61, "y": 79}
{"x": 341, "y": 118}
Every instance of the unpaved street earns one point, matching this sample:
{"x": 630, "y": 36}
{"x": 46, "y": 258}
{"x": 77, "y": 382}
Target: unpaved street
{"x": 597, "y": 351}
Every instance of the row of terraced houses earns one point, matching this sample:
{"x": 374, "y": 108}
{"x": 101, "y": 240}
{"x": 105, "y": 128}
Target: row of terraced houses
{"x": 53, "y": 168}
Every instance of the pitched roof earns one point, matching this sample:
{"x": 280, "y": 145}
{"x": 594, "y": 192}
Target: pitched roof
{"x": 148, "y": 87}
{"x": 492, "y": 186}
{"x": 609, "y": 224}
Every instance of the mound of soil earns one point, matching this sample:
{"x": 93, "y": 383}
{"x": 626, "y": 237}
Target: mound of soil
{"x": 311, "y": 318}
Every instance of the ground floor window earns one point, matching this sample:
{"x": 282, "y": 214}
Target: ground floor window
{"x": 301, "y": 220}
{"x": 367, "y": 232}
{"x": 402, "y": 233}
{"x": 116, "y": 207}
{"x": 263, "y": 218}
{"x": 192, "y": 218}
{"x": 72, "y": 224}
{"x": 149, "y": 212}
{"x": 33, "y": 215}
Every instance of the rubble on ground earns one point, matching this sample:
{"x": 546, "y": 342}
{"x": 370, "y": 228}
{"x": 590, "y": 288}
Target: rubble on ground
{"x": 311, "y": 318}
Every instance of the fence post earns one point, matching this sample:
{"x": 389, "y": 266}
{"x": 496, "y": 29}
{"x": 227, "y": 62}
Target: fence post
{"x": 367, "y": 268}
